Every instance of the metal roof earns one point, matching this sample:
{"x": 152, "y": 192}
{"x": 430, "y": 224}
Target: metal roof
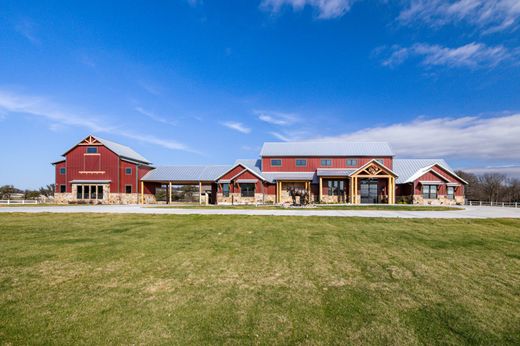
{"x": 122, "y": 150}
{"x": 186, "y": 173}
{"x": 334, "y": 172}
{"x": 337, "y": 148}
{"x": 275, "y": 176}
{"x": 406, "y": 169}
{"x": 253, "y": 164}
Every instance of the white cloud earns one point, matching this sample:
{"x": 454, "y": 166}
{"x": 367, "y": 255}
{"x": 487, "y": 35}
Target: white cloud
{"x": 27, "y": 29}
{"x": 58, "y": 115}
{"x": 234, "y": 125}
{"x": 325, "y": 9}
{"x": 277, "y": 118}
{"x": 471, "y": 55}
{"x": 154, "y": 116}
{"x": 509, "y": 171}
{"x": 290, "y": 135}
{"x": 470, "y": 137}
{"x": 490, "y": 15}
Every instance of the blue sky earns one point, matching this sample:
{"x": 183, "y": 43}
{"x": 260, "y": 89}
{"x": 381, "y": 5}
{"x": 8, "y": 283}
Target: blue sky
{"x": 196, "y": 82}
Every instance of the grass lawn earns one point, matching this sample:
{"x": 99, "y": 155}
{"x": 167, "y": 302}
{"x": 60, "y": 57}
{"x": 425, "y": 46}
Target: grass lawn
{"x": 150, "y": 279}
{"x": 403, "y": 207}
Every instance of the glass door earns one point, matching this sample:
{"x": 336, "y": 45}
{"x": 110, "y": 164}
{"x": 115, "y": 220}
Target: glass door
{"x": 368, "y": 191}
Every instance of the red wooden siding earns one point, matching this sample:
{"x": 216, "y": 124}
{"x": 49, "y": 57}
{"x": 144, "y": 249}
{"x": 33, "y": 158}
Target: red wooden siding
{"x": 233, "y": 172}
{"x": 60, "y": 179}
{"x": 442, "y": 189}
{"x": 313, "y": 163}
{"x": 102, "y": 166}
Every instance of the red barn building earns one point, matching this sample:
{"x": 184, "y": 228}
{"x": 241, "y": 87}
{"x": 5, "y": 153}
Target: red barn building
{"x": 97, "y": 170}
{"x": 331, "y": 172}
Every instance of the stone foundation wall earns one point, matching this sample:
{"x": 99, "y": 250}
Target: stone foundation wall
{"x": 236, "y": 198}
{"x": 441, "y": 200}
{"x": 108, "y": 198}
{"x": 334, "y": 199}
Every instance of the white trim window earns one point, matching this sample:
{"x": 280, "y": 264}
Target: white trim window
{"x": 429, "y": 191}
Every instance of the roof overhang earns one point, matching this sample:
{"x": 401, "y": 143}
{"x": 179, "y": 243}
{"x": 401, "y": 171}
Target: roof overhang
{"x": 247, "y": 181}
{"x": 430, "y": 182}
{"x": 427, "y": 169}
{"x": 90, "y": 181}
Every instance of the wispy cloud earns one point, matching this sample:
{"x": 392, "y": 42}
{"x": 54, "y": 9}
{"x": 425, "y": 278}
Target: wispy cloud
{"x": 154, "y": 116}
{"x": 470, "y": 137}
{"x": 237, "y": 126}
{"x": 325, "y": 9}
{"x": 277, "y": 118}
{"x": 290, "y": 135}
{"x": 472, "y": 55}
{"x": 59, "y": 115}
{"x": 27, "y": 29}
{"x": 490, "y": 15}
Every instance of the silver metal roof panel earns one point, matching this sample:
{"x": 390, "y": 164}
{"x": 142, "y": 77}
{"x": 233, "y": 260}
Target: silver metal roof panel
{"x": 337, "y": 148}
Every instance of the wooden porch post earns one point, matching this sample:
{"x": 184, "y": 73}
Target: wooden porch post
{"x": 355, "y": 191}
{"x": 170, "y": 193}
{"x": 142, "y": 192}
{"x": 200, "y": 192}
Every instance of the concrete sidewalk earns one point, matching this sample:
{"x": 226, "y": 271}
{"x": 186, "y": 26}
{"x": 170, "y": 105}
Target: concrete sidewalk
{"x": 467, "y": 212}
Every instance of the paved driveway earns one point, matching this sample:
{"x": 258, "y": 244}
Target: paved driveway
{"x": 467, "y": 212}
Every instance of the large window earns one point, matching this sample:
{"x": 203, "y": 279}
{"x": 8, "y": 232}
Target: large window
{"x": 92, "y": 150}
{"x": 429, "y": 191}
{"x": 276, "y": 162}
{"x": 326, "y": 163}
{"x": 89, "y": 192}
{"x": 63, "y": 170}
{"x": 451, "y": 192}
{"x": 63, "y": 188}
{"x": 128, "y": 170}
{"x": 225, "y": 189}
{"x": 247, "y": 190}
{"x": 351, "y": 163}
{"x": 128, "y": 188}
{"x": 336, "y": 187}
{"x": 301, "y": 163}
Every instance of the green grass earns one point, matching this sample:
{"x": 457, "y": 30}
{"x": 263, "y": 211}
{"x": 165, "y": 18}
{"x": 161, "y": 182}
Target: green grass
{"x": 398, "y": 207}
{"x": 150, "y": 279}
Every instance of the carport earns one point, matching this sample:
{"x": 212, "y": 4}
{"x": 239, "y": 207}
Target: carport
{"x": 186, "y": 175}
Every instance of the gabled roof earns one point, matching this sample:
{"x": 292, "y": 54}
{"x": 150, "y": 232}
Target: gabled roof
{"x": 249, "y": 165}
{"x": 336, "y": 148}
{"x": 186, "y": 173}
{"x": 410, "y": 170}
{"x": 119, "y": 149}
{"x": 373, "y": 162}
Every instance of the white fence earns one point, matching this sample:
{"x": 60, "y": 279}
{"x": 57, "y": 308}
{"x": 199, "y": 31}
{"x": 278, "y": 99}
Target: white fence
{"x": 18, "y": 201}
{"x": 493, "y": 204}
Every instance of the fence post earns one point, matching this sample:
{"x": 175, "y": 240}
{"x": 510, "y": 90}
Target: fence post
{"x": 503, "y": 205}
{"x": 8, "y": 201}
{"x": 481, "y": 203}
{"x": 23, "y": 201}
{"x": 516, "y": 204}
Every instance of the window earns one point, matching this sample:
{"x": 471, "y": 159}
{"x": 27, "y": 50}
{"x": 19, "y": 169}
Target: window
{"x": 451, "y": 192}
{"x": 247, "y": 190}
{"x": 429, "y": 191}
{"x": 128, "y": 170}
{"x": 128, "y": 188}
{"x": 63, "y": 170}
{"x": 225, "y": 190}
{"x": 351, "y": 163}
{"x": 301, "y": 163}
{"x": 92, "y": 150}
{"x": 326, "y": 163}
{"x": 336, "y": 187}
{"x": 63, "y": 188}
{"x": 80, "y": 192}
{"x": 276, "y": 162}
{"x": 89, "y": 192}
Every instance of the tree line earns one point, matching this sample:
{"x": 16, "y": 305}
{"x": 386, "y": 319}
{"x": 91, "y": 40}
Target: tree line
{"x": 491, "y": 187}
{"x": 9, "y": 191}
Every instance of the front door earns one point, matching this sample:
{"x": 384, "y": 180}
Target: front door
{"x": 368, "y": 191}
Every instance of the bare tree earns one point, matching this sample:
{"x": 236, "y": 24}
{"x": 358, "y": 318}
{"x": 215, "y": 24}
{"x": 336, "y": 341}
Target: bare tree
{"x": 473, "y": 190}
{"x": 493, "y": 186}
